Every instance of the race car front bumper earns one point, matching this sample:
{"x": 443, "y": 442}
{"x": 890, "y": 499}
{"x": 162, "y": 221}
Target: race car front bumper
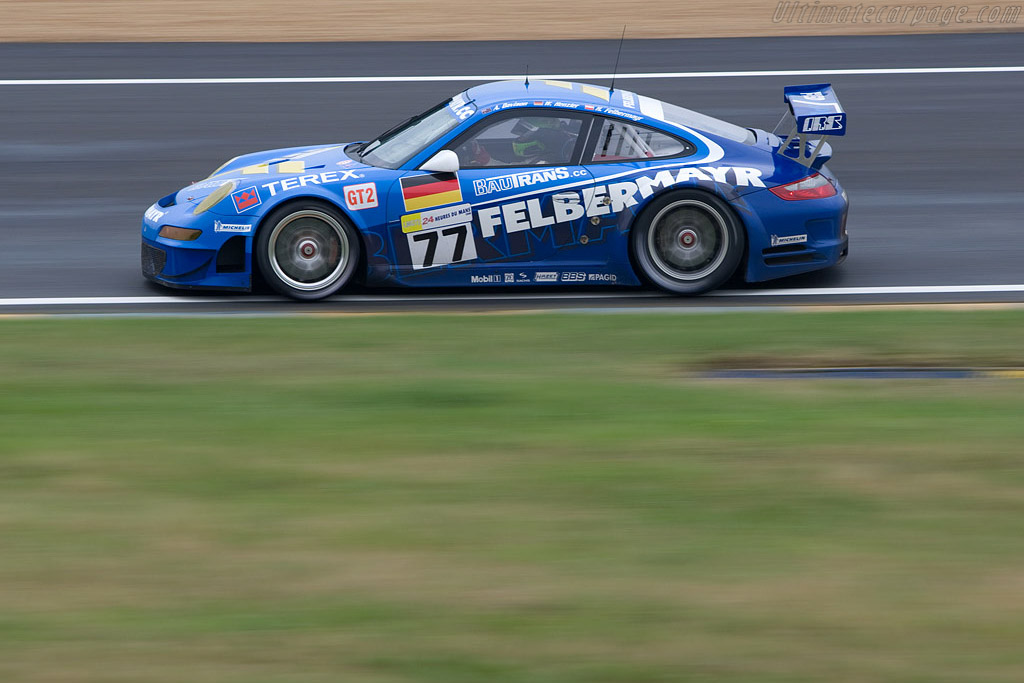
{"x": 215, "y": 260}
{"x": 190, "y": 268}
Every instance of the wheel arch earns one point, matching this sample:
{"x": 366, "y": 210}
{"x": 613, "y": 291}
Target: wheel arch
{"x": 361, "y": 265}
{"x": 649, "y": 207}
{"x": 644, "y": 208}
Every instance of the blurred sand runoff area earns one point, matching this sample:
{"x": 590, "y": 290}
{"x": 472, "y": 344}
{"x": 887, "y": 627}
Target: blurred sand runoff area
{"x": 449, "y": 20}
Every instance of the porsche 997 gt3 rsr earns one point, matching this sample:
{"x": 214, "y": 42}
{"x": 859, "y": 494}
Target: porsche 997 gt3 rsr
{"x": 514, "y": 184}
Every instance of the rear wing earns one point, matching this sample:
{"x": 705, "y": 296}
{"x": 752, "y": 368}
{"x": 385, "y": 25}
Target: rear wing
{"x": 816, "y": 113}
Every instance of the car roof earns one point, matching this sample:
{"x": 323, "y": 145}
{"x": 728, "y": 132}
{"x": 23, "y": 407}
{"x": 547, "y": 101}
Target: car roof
{"x": 553, "y": 93}
{"x": 562, "y": 94}
{"x": 502, "y": 91}
{"x": 597, "y": 99}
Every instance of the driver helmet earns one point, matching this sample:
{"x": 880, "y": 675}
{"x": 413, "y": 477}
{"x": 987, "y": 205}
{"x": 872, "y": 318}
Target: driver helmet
{"x": 537, "y": 135}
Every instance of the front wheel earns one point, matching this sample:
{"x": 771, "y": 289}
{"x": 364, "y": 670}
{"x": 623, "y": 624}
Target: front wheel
{"x": 688, "y": 242}
{"x": 307, "y": 251}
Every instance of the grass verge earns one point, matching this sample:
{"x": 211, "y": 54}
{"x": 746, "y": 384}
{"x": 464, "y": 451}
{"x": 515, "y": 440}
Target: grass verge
{"x": 542, "y": 498}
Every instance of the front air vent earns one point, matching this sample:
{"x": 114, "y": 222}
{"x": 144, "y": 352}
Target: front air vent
{"x": 231, "y": 257}
{"x": 153, "y": 260}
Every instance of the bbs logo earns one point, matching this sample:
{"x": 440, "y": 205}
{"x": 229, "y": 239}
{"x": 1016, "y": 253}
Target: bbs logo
{"x": 574, "y": 277}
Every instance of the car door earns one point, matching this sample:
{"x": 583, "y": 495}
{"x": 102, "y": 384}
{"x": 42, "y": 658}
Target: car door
{"x": 516, "y": 205}
{"x": 527, "y": 190}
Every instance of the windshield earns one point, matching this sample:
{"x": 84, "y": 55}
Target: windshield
{"x": 692, "y": 119}
{"x": 399, "y": 144}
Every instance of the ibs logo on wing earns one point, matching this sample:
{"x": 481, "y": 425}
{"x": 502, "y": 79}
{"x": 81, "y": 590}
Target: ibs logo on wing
{"x": 822, "y": 124}
{"x": 246, "y": 199}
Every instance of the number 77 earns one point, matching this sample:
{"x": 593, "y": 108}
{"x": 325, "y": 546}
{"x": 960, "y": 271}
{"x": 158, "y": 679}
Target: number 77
{"x": 432, "y": 238}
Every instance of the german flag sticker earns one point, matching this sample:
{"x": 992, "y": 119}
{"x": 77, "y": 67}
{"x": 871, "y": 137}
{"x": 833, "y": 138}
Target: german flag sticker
{"x": 433, "y": 189}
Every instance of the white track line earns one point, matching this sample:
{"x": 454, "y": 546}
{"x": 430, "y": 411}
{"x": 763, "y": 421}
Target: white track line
{"x": 868, "y": 291}
{"x": 506, "y": 77}
{"x": 479, "y": 298}
{"x": 354, "y": 298}
{"x": 113, "y": 300}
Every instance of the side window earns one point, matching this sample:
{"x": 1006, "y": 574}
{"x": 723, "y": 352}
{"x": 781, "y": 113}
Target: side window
{"x": 526, "y": 140}
{"x": 623, "y": 141}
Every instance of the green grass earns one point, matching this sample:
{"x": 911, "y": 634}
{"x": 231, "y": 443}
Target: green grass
{"x": 512, "y": 498}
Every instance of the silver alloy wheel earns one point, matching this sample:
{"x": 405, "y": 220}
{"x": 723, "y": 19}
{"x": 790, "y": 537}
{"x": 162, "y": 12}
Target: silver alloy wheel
{"x": 688, "y": 240}
{"x": 308, "y": 250}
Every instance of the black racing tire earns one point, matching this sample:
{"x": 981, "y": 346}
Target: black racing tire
{"x": 688, "y": 242}
{"x": 307, "y": 250}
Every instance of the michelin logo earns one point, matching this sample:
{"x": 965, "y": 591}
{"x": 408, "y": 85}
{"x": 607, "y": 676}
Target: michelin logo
{"x": 788, "y": 239}
{"x": 242, "y": 228}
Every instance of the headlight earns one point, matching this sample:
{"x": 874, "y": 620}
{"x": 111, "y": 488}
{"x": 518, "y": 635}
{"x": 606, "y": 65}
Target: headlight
{"x": 214, "y": 197}
{"x": 182, "y": 234}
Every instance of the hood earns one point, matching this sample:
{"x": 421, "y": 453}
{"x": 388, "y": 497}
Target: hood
{"x": 273, "y": 164}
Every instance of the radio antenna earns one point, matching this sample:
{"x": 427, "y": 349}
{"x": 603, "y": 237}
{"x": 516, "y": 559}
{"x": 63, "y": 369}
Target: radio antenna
{"x": 615, "y": 71}
{"x": 527, "y": 75}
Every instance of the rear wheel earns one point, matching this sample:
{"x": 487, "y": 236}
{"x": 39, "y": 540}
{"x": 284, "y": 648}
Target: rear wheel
{"x": 688, "y": 242}
{"x": 307, "y": 251}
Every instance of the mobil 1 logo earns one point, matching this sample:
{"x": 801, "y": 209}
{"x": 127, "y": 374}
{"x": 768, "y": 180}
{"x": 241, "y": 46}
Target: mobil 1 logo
{"x": 441, "y": 246}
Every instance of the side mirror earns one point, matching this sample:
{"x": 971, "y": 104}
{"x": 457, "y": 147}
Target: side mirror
{"x": 445, "y": 161}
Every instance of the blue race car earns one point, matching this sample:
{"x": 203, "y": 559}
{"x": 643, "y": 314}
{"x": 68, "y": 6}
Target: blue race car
{"x": 518, "y": 183}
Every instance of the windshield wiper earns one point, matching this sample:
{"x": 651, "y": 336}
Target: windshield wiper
{"x": 380, "y": 139}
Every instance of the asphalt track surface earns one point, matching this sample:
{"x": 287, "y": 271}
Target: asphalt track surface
{"x": 932, "y": 161}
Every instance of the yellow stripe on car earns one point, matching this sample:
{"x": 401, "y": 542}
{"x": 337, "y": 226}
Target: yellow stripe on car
{"x": 291, "y": 167}
{"x": 602, "y": 93}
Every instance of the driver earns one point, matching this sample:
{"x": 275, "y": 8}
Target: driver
{"x": 542, "y": 136}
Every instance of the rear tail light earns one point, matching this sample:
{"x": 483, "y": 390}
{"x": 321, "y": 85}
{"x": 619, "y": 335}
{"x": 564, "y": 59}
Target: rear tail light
{"x": 814, "y": 186}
